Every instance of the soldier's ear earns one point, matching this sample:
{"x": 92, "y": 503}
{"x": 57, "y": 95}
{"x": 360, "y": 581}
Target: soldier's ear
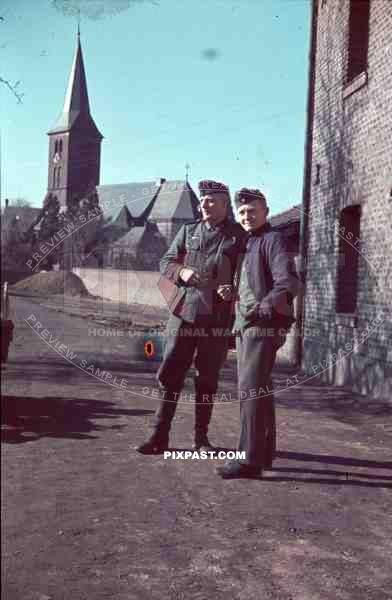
{"x": 266, "y": 210}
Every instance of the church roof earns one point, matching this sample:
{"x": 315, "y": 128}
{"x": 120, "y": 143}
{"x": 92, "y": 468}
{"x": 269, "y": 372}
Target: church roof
{"x": 135, "y": 198}
{"x": 122, "y": 219}
{"x": 129, "y": 202}
{"x": 132, "y": 239}
{"x": 144, "y": 246}
{"x": 109, "y": 233}
{"x": 175, "y": 200}
{"x": 76, "y": 105}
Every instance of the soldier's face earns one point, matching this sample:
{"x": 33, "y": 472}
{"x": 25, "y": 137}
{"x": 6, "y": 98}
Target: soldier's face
{"x": 252, "y": 215}
{"x": 214, "y": 207}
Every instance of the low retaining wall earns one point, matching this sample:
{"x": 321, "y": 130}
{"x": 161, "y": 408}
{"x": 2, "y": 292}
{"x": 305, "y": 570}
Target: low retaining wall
{"x": 123, "y": 286}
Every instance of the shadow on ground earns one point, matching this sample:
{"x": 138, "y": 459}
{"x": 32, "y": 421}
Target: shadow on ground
{"x": 332, "y": 476}
{"x": 341, "y": 481}
{"x": 44, "y": 365}
{"x": 337, "y": 460}
{"x": 25, "y": 419}
{"x": 338, "y": 403}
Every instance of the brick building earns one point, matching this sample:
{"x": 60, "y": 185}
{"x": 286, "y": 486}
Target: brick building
{"x": 347, "y": 225}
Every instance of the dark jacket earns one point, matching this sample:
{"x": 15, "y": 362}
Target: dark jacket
{"x": 219, "y": 261}
{"x": 272, "y": 277}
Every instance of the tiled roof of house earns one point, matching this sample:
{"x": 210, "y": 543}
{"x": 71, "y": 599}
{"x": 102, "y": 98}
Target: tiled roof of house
{"x": 286, "y": 217}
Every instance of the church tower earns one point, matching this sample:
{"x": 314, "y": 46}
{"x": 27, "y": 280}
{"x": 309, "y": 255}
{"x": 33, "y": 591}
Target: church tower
{"x": 74, "y": 141}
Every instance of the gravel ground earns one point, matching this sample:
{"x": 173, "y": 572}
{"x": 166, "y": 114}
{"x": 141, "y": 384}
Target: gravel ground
{"x": 86, "y": 517}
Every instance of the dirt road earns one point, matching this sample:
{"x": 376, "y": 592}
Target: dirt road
{"x": 87, "y": 518}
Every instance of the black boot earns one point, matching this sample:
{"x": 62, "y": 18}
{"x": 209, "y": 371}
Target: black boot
{"x": 157, "y": 443}
{"x": 203, "y": 412}
{"x": 202, "y": 442}
{"x": 232, "y": 469}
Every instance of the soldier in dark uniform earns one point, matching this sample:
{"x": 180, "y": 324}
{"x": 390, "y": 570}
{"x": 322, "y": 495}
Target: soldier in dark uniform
{"x": 201, "y": 262}
{"x": 264, "y": 311}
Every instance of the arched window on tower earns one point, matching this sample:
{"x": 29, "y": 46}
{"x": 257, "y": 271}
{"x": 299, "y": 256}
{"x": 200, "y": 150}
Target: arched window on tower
{"x": 55, "y": 147}
{"x": 60, "y": 147}
{"x": 58, "y": 176}
{"x": 54, "y": 177}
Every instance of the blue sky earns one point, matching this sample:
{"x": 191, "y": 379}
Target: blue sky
{"x": 218, "y": 84}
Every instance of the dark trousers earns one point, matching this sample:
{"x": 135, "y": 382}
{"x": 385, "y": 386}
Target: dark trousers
{"x": 256, "y": 353}
{"x": 186, "y": 341}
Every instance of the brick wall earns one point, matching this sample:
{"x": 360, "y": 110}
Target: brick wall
{"x": 351, "y": 164}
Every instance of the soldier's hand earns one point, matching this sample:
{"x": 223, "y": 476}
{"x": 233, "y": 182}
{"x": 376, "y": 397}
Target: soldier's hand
{"x": 259, "y": 312}
{"x": 251, "y": 314}
{"x": 192, "y": 277}
{"x": 225, "y": 292}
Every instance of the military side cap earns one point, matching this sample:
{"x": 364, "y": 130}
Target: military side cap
{"x": 245, "y": 195}
{"x": 210, "y": 186}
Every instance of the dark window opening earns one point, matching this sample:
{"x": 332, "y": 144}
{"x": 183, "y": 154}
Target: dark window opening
{"x": 60, "y": 147}
{"x": 58, "y": 176}
{"x": 347, "y": 275}
{"x": 318, "y": 171}
{"x": 358, "y": 40}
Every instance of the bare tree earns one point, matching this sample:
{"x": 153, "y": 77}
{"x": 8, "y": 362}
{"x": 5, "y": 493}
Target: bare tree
{"x": 13, "y": 87}
{"x": 95, "y": 9}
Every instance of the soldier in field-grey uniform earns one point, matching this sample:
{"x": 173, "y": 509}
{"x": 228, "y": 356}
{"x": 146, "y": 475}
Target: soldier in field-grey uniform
{"x": 268, "y": 283}
{"x": 201, "y": 262}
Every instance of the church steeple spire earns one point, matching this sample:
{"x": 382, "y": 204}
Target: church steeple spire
{"x": 76, "y": 103}
{"x": 74, "y": 141}
{"x": 76, "y": 98}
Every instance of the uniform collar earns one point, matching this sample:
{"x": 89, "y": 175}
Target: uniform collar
{"x": 216, "y": 226}
{"x": 260, "y": 231}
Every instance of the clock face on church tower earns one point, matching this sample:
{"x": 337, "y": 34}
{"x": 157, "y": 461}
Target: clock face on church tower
{"x": 56, "y": 158}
